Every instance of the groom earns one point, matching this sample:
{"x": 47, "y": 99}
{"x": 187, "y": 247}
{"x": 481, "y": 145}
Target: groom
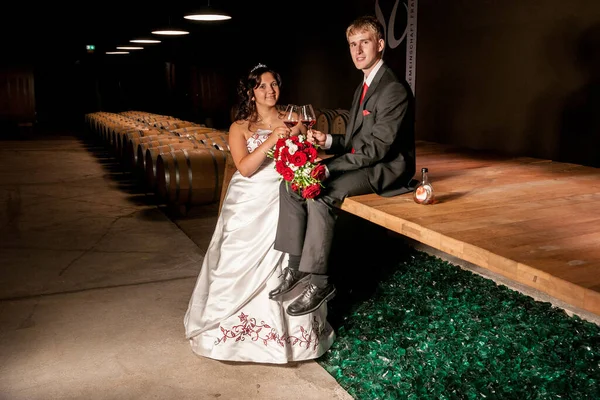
{"x": 377, "y": 155}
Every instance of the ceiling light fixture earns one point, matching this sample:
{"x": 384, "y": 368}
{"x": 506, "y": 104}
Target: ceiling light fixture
{"x": 145, "y": 41}
{"x": 117, "y": 52}
{"x": 170, "y": 31}
{"x": 130, "y": 48}
{"x": 207, "y": 14}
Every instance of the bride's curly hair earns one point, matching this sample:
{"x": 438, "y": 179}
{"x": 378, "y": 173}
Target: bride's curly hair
{"x": 246, "y": 107}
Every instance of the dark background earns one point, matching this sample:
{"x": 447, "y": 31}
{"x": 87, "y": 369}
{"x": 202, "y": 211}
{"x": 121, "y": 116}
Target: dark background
{"x": 192, "y": 77}
{"x": 521, "y": 77}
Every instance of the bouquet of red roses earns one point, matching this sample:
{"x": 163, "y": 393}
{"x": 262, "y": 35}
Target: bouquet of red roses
{"x": 295, "y": 161}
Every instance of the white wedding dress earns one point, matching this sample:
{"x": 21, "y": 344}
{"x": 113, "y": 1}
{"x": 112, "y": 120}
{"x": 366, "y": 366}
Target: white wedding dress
{"x": 230, "y": 316}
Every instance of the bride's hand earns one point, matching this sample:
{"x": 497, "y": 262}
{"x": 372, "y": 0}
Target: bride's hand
{"x": 281, "y": 132}
{"x": 296, "y": 130}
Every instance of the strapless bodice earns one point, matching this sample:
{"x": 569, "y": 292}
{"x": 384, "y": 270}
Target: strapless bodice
{"x": 258, "y": 138}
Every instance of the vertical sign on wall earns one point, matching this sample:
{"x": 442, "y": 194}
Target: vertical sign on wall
{"x": 399, "y": 20}
{"x": 411, "y": 44}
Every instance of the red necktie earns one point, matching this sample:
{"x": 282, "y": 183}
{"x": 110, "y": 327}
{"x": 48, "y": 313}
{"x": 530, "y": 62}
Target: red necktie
{"x": 365, "y": 88}
{"x": 362, "y": 96}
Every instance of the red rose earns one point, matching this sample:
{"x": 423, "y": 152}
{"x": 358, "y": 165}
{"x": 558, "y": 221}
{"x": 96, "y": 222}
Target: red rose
{"x": 318, "y": 172}
{"x": 311, "y": 153}
{"x": 294, "y": 187}
{"x": 284, "y": 153}
{"x": 284, "y": 170}
{"x": 284, "y": 156}
{"x": 311, "y": 191}
{"x": 287, "y": 174}
{"x": 280, "y": 167}
{"x": 298, "y": 159}
{"x": 302, "y": 145}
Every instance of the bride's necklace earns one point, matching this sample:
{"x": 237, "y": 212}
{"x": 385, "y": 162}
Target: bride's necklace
{"x": 264, "y": 121}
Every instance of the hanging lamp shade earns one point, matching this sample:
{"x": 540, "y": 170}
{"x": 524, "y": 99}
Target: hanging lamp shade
{"x": 170, "y": 32}
{"x": 144, "y": 40}
{"x": 207, "y": 13}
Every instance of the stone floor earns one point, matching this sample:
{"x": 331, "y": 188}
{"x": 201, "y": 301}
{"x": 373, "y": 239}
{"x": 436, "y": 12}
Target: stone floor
{"x": 95, "y": 282}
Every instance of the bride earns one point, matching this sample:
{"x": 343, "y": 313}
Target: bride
{"x": 230, "y": 316}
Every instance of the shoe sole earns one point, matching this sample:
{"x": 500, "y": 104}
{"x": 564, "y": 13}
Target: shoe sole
{"x": 301, "y": 280}
{"x": 315, "y": 308}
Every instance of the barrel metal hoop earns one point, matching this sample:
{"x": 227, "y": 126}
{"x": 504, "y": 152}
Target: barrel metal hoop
{"x": 177, "y": 178}
{"x": 190, "y": 175}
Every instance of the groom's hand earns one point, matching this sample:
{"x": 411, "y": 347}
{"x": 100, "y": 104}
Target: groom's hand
{"x": 316, "y": 137}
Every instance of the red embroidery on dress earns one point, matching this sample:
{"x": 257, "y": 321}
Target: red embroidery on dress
{"x": 256, "y": 140}
{"x": 250, "y": 329}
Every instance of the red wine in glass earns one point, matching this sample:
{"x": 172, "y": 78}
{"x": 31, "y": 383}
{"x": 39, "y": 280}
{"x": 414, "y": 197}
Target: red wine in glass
{"x": 307, "y": 116}
{"x": 290, "y": 118}
{"x": 308, "y": 123}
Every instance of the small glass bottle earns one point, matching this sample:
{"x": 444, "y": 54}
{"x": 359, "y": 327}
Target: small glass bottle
{"x": 423, "y": 193}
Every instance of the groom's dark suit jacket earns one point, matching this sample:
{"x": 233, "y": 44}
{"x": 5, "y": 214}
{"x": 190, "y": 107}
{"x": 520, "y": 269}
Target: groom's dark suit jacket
{"x": 382, "y": 137}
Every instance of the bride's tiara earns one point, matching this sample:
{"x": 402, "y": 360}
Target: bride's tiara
{"x": 259, "y": 65}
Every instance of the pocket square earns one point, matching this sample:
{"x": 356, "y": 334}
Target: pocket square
{"x": 366, "y": 112}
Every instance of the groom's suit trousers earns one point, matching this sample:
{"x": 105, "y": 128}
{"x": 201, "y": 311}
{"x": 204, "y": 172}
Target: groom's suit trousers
{"x": 306, "y": 227}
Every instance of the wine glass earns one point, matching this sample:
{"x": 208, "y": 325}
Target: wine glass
{"x": 290, "y": 118}
{"x": 307, "y": 116}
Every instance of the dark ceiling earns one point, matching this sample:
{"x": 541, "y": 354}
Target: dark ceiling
{"x": 50, "y": 30}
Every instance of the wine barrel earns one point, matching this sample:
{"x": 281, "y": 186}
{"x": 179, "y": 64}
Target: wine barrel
{"x": 122, "y": 133}
{"x": 152, "y": 154}
{"x": 127, "y": 145}
{"x": 317, "y": 113}
{"x": 205, "y": 135}
{"x": 107, "y": 128}
{"x": 97, "y": 122}
{"x": 113, "y": 133}
{"x": 174, "y": 124}
{"x": 191, "y": 129}
{"x": 340, "y": 122}
{"x": 130, "y": 153}
{"x": 160, "y": 141}
{"x": 159, "y": 120}
{"x": 190, "y": 177}
{"x": 325, "y": 120}
{"x": 219, "y": 141}
{"x": 196, "y": 141}
{"x": 149, "y": 136}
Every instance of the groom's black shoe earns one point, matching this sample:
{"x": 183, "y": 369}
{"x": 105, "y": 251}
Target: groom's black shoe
{"x": 311, "y": 299}
{"x": 291, "y": 279}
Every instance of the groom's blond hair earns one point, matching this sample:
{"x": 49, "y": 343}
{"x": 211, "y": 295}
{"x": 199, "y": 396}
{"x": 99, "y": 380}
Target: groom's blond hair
{"x": 367, "y": 23}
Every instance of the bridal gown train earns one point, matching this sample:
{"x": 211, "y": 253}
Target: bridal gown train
{"x": 230, "y": 316}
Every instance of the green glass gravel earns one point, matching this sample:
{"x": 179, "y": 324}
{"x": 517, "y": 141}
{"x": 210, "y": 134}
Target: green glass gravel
{"x": 432, "y": 330}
